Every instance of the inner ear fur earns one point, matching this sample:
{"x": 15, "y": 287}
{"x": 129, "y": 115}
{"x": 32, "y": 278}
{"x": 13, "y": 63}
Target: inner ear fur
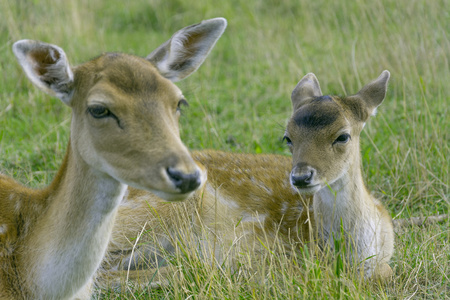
{"x": 180, "y": 56}
{"x": 370, "y": 96}
{"x": 47, "y": 67}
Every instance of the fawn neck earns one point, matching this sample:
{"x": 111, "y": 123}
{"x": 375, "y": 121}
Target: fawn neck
{"x": 343, "y": 201}
{"x": 66, "y": 237}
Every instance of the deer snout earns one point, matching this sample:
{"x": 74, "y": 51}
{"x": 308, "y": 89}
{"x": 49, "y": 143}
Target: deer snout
{"x": 184, "y": 182}
{"x": 302, "y": 177}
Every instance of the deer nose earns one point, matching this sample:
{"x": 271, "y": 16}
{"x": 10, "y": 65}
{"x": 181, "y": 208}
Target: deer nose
{"x": 302, "y": 180}
{"x": 184, "y": 182}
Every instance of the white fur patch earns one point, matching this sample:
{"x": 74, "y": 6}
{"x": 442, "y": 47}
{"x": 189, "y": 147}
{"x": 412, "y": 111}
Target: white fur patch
{"x": 284, "y": 207}
{"x": 225, "y": 201}
{"x": 254, "y": 218}
{"x": 3, "y": 229}
{"x": 262, "y": 186}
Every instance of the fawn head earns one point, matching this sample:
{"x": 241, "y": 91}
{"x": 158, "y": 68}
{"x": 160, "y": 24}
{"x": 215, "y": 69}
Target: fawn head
{"x": 125, "y": 108}
{"x": 323, "y": 131}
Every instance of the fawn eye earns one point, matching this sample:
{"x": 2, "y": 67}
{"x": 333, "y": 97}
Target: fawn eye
{"x": 99, "y": 111}
{"x": 181, "y": 103}
{"x": 288, "y": 141}
{"x": 342, "y": 139}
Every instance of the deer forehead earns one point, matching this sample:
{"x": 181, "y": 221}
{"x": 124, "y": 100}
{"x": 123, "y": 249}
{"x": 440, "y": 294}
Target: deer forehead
{"x": 116, "y": 76}
{"x": 320, "y": 115}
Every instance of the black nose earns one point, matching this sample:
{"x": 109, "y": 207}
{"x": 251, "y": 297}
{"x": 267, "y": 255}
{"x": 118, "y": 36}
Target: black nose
{"x": 302, "y": 180}
{"x": 184, "y": 182}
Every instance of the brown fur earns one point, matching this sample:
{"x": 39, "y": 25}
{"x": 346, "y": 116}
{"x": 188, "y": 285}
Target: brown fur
{"x": 249, "y": 198}
{"x": 246, "y": 198}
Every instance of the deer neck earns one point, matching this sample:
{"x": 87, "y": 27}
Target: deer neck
{"x": 69, "y": 239}
{"x": 343, "y": 203}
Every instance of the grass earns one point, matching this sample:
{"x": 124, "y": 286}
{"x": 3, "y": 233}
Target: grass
{"x": 239, "y": 102}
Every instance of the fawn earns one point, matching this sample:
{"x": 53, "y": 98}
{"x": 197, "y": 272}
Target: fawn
{"x": 323, "y": 136}
{"x": 124, "y": 131}
{"x": 249, "y": 197}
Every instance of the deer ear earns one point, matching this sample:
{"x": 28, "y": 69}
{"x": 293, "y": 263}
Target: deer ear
{"x": 307, "y": 88}
{"x": 373, "y": 93}
{"x": 47, "y": 67}
{"x": 180, "y": 56}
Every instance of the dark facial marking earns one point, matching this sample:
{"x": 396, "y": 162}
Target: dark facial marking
{"x": 316, "y": 115}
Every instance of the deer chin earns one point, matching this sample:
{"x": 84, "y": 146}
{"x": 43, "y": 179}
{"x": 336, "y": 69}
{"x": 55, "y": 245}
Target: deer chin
{"x": 309, "y": 190}
{"x": 166, "y": 193}
{"x": 172, "y": 197}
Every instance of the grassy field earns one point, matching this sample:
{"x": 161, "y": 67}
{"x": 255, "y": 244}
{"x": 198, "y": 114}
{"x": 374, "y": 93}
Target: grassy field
{"x": 240, "y": 101}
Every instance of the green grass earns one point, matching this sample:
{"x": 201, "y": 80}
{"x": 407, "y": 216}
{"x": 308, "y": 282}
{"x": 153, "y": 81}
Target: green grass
{"x": 240, "y": 101}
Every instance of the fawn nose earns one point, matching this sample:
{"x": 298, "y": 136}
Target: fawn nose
{"x": 302, "y": 179}
{"x": 184, "y": 182}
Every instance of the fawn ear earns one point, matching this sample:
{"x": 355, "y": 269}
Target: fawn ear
{"x": 180, "y": 56}
{"x": 373, "y": 93}
{"x": 307, "y": 88}
{"x": 47, "y": 67}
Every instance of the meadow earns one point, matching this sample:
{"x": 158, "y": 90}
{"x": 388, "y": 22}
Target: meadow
{"x": 240, "y": 102}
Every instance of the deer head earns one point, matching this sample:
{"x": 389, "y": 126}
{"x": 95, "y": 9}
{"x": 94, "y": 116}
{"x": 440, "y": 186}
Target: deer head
{"x": 126, "y": 108}
{"x": 323, "y": 131}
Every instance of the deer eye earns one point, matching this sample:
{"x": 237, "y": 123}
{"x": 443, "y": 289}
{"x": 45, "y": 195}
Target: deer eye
{"x": 288, "y": 141}
{"x": 99, "y": 111}
{"x": 342, "y": 139}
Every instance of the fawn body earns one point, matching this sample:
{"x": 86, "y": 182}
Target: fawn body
{"x": 249, "y": 197}
{"x": 124, "y": 130}
{"x": 246, "y": 197}
{"x": 323, "y": 136}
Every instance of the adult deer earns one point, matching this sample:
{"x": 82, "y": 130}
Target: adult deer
{"x": 253, "y": 198}
{"x": 124, "y": 131}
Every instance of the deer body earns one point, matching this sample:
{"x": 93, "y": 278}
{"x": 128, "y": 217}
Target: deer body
{"x": 124, "y": 131}
{"x": 246, "y": 197}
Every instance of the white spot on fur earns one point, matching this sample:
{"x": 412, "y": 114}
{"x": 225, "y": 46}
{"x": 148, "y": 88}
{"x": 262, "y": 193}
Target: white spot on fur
{"x": 264, "y": 187}
{"x": 16, "y": 206}
{"x": 236, "y": 181}
{"x": 225, "y": 201}
{"x": 254, "y": 218}
{"x": 3, "y": 229}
